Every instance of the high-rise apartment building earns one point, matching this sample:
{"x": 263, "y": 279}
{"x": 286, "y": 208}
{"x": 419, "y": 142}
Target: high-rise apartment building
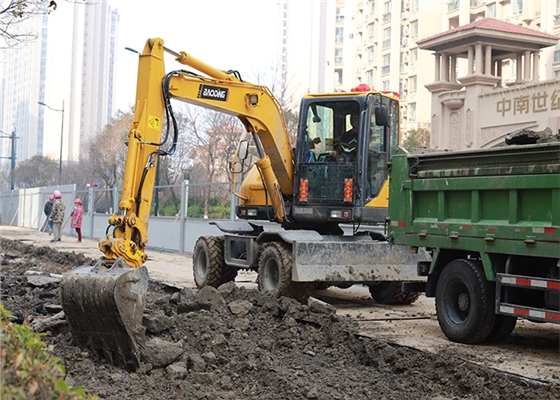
{"x": 69, "y": 68}
{"x": 375, "y": 42}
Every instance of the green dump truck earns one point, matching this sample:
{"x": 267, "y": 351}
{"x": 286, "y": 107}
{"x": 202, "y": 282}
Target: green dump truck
{"x": 491, "y": 219}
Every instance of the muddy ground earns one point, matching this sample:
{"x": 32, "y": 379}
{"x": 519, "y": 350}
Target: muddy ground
{"x": 236, "y": 343}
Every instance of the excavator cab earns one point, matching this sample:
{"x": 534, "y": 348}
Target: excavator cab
{"x": 341, "y": 157}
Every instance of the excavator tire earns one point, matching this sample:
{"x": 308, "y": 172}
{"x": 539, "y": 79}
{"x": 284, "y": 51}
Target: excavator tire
{"x": 275, "y": 273}
{"x": 391, "y": 292}
{"x": 208, "y": 261}
{"x": 103, "y": 305}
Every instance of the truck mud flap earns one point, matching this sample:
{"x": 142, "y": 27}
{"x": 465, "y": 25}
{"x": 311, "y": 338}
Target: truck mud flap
{"x": 104, "y": 308}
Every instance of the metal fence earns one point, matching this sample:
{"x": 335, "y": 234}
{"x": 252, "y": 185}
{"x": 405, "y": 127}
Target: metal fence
{"x": 170, "y": 227}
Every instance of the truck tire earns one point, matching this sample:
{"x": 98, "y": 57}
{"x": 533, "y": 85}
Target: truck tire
{"x": 465, "y": 302}
{"x": 208, "y": 261}
{"x": 503, "y": 326}
{"x": 391, "y": 292}
{"x": 275, "y": 273}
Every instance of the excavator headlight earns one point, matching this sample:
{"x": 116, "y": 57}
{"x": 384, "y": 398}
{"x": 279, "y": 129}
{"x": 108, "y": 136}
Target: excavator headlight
{"x": 251, "y": 212}
{"x": 253, "y": 99}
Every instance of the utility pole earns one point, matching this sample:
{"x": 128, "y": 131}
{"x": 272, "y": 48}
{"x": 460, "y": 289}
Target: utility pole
{"x": 13, "y": 137}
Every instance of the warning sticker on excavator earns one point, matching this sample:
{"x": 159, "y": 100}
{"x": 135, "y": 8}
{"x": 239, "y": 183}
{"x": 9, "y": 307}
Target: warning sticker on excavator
{"x": 154, "y": 122}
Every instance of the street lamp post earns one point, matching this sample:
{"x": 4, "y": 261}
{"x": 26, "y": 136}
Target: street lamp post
{"x": 61, "y": 137}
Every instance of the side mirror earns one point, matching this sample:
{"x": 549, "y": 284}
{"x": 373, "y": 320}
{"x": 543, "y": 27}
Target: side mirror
{"x": 243, "y": 150}
{"x": 382, "y": 115}
{"x": 236, "y": 164}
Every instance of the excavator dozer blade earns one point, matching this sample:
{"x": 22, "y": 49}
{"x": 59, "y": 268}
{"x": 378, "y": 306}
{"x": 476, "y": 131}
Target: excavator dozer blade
{"x": 104, "y": 308}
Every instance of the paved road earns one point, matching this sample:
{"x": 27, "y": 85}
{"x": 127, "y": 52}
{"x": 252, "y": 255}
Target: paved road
{"x": 532, "y": 351}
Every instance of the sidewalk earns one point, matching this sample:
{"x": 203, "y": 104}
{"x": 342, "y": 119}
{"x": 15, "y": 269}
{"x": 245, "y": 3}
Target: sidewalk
{"x": 170, "y": 268}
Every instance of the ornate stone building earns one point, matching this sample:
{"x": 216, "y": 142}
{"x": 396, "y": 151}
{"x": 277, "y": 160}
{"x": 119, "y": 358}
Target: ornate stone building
{"x": 478, "y": 109}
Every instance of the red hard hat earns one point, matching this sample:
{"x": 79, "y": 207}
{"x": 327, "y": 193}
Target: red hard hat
{"x": 78, "y": 201}
{"x": 57, "y": 194}
{"x": 51, "y": 197}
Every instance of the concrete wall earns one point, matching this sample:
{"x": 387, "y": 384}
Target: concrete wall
{"x": 24, "y": 208}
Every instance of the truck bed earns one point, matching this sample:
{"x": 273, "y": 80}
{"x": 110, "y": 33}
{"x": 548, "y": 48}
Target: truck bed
{"x": 501, "y": 200}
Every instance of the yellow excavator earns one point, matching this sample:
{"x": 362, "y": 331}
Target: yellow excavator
{"x": 326, "y": 193}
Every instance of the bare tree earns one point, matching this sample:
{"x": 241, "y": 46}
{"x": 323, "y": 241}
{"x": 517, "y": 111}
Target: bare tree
{"x": 14, "y": 12}
{"x": 215, "y": 139}
{"x": 36, "y": 171}
{"x": 173, "y": 168}
{"x": 106, "y": 153}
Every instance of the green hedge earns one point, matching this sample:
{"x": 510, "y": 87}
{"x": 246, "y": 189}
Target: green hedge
{"x": 28, "y": 370}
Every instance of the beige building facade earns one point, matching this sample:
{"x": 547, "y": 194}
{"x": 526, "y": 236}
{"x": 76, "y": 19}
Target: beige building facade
{"x": 375, "y": 42}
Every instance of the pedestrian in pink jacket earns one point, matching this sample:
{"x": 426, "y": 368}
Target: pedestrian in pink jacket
{"x": 77, "y": 214}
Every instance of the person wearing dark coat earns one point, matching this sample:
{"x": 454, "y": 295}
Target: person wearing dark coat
{"x": 47, "y": 209}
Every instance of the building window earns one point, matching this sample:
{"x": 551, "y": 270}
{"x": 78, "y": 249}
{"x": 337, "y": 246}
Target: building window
{"x": 557, "y": 52}
{"x": 413, "y": 5}
{"x": 386, "y": 65}
{"x": 387, "y": 7}
{"x": 557, "y": 74}
{"x": 339, "y": 35}
{"x": 369, "y": 77}
{"x": 414, "y": 30}
{"x": 413, "y": 84}
{"x": 491, "y": 10}
{"x": 517, "y": 7}
{"x": 370, "y": 54}
{"x": 339, "y": 14}
{"x": 452, "y": 5}
{"x": 338, "y": 77}
{"x": 338, "y": 58}
{"x": 371, "y": 30}
{"x": 371, "y": 6}
{"x": 412, "y": 112}
{"x": 385, "y": 85}
{"x": 386, "y": 38}
{"x": 414, "y": 57}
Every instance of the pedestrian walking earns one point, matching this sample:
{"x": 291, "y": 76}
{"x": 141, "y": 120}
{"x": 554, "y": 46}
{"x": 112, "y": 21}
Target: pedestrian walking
{"x": 57, "y": 216}
{"x": 77, "y": 214}
{"x": 47, "y": 209}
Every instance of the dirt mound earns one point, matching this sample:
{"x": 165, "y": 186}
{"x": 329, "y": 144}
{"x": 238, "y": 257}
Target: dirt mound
{"x": 234, "y": 343}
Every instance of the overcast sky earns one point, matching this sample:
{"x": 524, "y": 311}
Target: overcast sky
{"x": 227, "y": 34}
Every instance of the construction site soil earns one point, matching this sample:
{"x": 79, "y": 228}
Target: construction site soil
{"x": 238, "y": 343}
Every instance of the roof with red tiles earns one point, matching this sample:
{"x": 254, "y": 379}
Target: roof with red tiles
{"x": 492, "y": 24}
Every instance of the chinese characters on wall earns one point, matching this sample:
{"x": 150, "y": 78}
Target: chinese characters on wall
{"x": 538, "y": 102}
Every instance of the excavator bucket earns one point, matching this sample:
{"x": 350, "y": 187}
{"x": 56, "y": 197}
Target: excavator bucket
{"x": 103, "y": 305}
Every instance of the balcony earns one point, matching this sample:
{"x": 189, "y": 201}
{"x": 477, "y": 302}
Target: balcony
{"x": 386, "y": 17}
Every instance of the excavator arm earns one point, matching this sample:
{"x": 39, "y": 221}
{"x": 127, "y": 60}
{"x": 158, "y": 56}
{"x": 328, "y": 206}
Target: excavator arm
{"x": 104, "y": 303}
{"x": 254, "y": 105}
